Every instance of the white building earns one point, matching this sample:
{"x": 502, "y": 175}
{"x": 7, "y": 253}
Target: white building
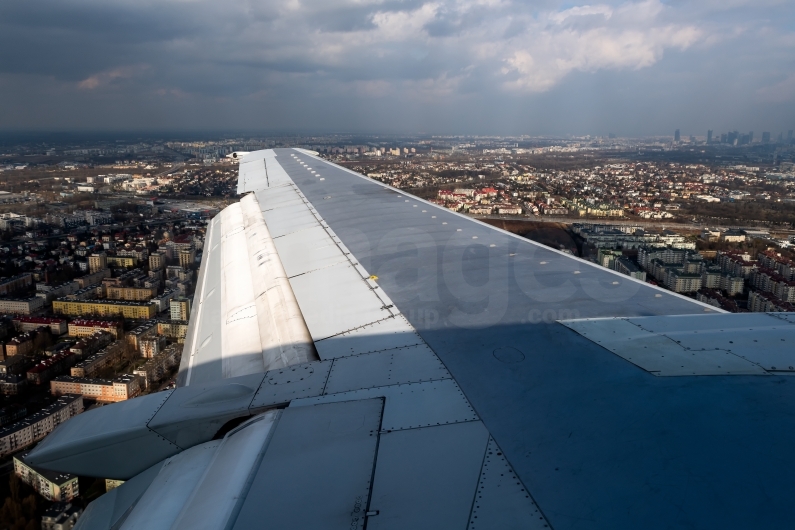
{"x": 51, "y": 485}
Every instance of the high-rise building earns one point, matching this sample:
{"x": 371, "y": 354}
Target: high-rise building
{"x": 677, "y": 136}
{"x": 751, "y": 137}
{"x": 187, "y": 257}
{"x": 765, "y": 137}
{"x": 789, "y": 136}
{"x": 157, "y": 261}
{"x": 180, "y": 309}
{"x": 97, "y": 262}
{"x": 709, "y": 136}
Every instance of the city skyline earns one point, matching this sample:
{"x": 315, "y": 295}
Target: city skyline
{"x": 474, "y": 67}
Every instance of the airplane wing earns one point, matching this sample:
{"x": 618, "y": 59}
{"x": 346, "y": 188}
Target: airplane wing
{"x": 358, "y": 357}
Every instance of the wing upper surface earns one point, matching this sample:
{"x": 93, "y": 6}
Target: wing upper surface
{"x": 454, "y": 326}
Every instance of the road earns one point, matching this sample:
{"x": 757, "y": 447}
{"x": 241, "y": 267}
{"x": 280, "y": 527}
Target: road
{"x": 172, "y": 169}
{"x": 647, "y": 223}
{"x": 655, "y": 223}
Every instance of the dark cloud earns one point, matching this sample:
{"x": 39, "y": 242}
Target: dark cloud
{"x": 490, "y": 66}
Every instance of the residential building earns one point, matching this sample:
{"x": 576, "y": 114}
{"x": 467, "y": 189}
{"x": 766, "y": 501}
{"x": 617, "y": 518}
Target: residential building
{"x": 94, "y": 363}
{"x": 58, "y": 326}
{"x": 733, "y": 236}
{"x": 92, "y": 278}
{"x": 682, "y": 282}
{"x": 716, "y": 299}
{"x": 60, "y": 516}
{"x": 111, "y": 483}
{"x": 626, "y": 266}
{"x": 14, "y": 364}
{"x": 130, "y": 293}
{"x": 86, "y": 293}
{"x": 173, "y": 329}
{"x": 105, "y": 390}
{"x": 126, "y": 262}
{"x": 16, "y": 283}
{"x": 12, "y": 384}
{"x": 770, "y": 259}
{"x": 52, "y": 485}
{"x": 732, "y": 285}
{"x": 761, "y": 302}
{"x": 152, "y": 346}
{"x": 736, "y": 263}
{"x": 144, "y": 330}
{"x": 23, "y": 306}
{"x": 97, "y": 262}
{"x": 84, "y": 328}
{"x": 180, "y": 309}
{"x": 91, "y": 344}
{"x": 43, "y": 371}
{"x": 187, "y": 257}
{"x": 605, "y": 257}
{"x": 163, "y": 301}
{"x": 19, "y": 346}
{"x": 36, "y": 426}
{"x": 133, "y": 310}
{"x": 51, "y": 292}
{"x": 155, "y": 368}
{"x": 157, "y": 261}
{"x": 12, "y": 413}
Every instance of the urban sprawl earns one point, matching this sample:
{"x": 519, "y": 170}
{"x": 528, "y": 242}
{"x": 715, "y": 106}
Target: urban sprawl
{"x": 102, "y": 242}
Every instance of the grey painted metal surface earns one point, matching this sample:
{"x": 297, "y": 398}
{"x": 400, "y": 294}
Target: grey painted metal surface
{"x": 410, "y": 405}
{"x": 283, "y": 385}
{"x": 193, "y": 414}
{"x": 598, "y": 442}
{"x": 202, "y": 348}
{"x": 501, "y": 500}
{"x": 427, "y": 478}
{"x": 659, "y": 354}
{"x": 317, "y": 469}
{"x": 728, "y": 344}
{"x": 287, "y": 218}
{"x": 111, "y": 441}
{"x": 247, "y": 319}
{"x": 308, "y": 250}
{"x": 404, "y": 365}
{"x": 789, "y": 317}
{"x": 234, "y": 465}
{"x": 349, "y": 303}
{"x": 111, "y": 509}
{"x": 160, "y": 506}
{"x": 392, "y": 332}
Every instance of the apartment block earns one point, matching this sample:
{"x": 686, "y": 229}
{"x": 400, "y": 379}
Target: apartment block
{"x": 105, "y": 390}
{"x": 84, "y": 328}
{"x": 52, "y": 485}
{"x": 15, "y": 283}
{"x": 93, "y": 364}
{"x": 58, "y": 326}
{"x": 133, "y": 310}
{"x": 22, "y": 306}
{"x": 135, "y": 294}
{"x": 36, "y": 426}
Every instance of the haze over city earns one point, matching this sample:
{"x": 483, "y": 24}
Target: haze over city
{"x": 427, "y": 264}
{"x": 464, "y": 67}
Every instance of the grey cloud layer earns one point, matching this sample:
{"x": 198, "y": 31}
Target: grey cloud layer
{"x": 394, "y": 65}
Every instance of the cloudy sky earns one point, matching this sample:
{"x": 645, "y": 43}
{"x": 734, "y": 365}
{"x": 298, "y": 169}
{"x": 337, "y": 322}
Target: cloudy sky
{"x": 443, "y": 66}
